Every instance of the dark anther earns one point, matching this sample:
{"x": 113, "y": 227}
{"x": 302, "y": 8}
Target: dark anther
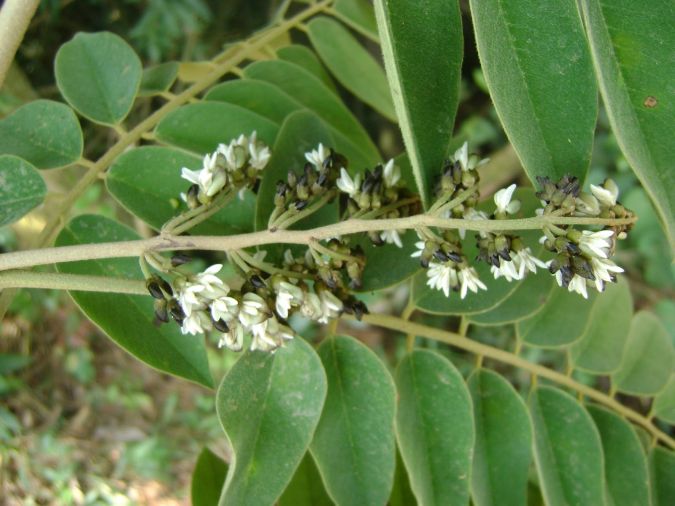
{"x": 301, "y": 204}
{"x": 193, "y": 191}
{"x": 165, "y": 286}
{"x": 153, "y": 287}
{"x": 176, "y": 311}
{"x": 221, "y": 326}
{"x": 257, "y": 281}
{"x": 179, "y": 259}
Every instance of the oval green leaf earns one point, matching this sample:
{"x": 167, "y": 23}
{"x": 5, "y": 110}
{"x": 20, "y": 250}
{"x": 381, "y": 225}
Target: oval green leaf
{"x": 202, "y": 126}
{"x": 435, "y": 428}
{"x": 560, "y": 322}
{"x": 567, "y": 450}
{"x": 306, "y": 488}
{"x": 529, "y": 297}
{"x": 304, "y": 57}
{"x": 21, "y": 188}
{"x": 648, "y": 360}
{"x": 128, "y": 319}
{"x": 99, "y": 75}
{"x": 662, "y": 474}
{"x": 502, "y": 455}
{"x": 664, "y": 403}
{"x": 208, "y": 478}
{"x": 135, "y": 177}
{"x": 423, "y": 49}
{"x": 158, "y": 79}
{"x": 311, "y": 93}
{"x": 45, "y": 133}
{"x": 625, "y": 462}
{"x": 351, "y": 64}
{"x": 536, "y": 62}
{"x": 269, "y": 406}
{"x": 631, "y": 44}
{"x": 354, "y": 445}
{"x": 600, "y": 349}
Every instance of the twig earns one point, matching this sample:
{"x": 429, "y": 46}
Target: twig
{"x": 15, "y": 16}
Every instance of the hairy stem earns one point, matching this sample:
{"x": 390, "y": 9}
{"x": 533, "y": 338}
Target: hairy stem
{"x": 15, "y": 16}
{"x": 28, "y": 258}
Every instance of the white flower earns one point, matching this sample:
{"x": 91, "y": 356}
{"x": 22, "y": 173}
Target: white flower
{"x": 602, "y": 270}
{"x": 506, "y": 269}
{"x": 269, "y": 335}
{"x": 348, "y": 185}
{"x": 235, "y": 153}
{"x": 288, "y": 295}
{"x": 469, "y": 280}
{"x": 606, "y": 194}
{"x": 259, "y": 153}
{"x": 233, "y": 339}
{"x": 196, "y": 323}
{"x": 253, "y": 309}
{"x": 392, "y": 174}
{"x": 596, "y": 244}
{"x": 503, "y": 200}
{"x": 442, "y": 277}
{"x": 317, "y": 156}
{"x": 526, "y": 261}
{"x": 311, "y": 307}
{"x": 190, "y": 299}
{"x": 208, "y": 278}
{"x": 224, "y": 308}
{"x": 391, "y": 237}
{"x": 462, "y": 156}
{"x": 331, "y": 306}
{"x": 578, "y": 284}
{"x": 420, "y": 245}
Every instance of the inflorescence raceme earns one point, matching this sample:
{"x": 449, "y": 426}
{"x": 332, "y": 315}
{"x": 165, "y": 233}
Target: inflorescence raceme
{"x": 318, "y": 283}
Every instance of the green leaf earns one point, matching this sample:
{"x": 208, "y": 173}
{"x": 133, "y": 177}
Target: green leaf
{"x": 359, "y": 12}
{"x": 664, "y": 403}
{"x": 630, "y": 44}
{"x": 351, "y": 64}
{"x": 269, "y": 406}
{"x": 128, "y": 319}
{"x": 354, "y": 443}
{"x": 502, "y": 453}
{"x": 648, "y": 360}
{"x": 387, "y": 265}
{"x": 306, "y": 487}
{"x": 21, "y": 188}
{"x": 134, "y": 182}
{"x": 311, "y": 93}
{"x": 271, "y": 102}
{"x": 99, "y": 75}
{"x": 304, "y": 57}
{"x": 560, "y": 322}
{"x": 301, "y": 132}
{"x": 434, "y": 428}
{"x": 567, "y": 450}
{"x": 530, "y": 296}
{"x": 662, "y": 473}
{"x": 259, "y": 97}
{"x": 434, "y": 301}
{"x": 625, "y": 462}
{"x": 423, "y": 48}
{"x": 538, "y": 68}
{"x": 158, "y": 79}
{"x": 47, "y": 134}
{"x": 601, "y": 347}
{"x": 208, "y": 478}
{"x": 202, "y": 126}
{"x": 402, "y": 494}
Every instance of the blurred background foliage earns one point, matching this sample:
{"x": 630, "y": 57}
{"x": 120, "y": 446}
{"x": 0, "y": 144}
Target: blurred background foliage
{"x": 82, "y": 422}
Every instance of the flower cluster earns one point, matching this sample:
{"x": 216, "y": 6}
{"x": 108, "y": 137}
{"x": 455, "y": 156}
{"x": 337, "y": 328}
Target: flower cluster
{"x": 582, "y": 256}
{"x": 377, "y": 193}
{"x": 236, "y": 165}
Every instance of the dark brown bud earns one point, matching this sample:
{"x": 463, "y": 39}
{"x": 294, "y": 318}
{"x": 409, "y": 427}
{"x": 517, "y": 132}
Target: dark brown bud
{"x": 179, "y": 259}
{"x": 152, "y": 284}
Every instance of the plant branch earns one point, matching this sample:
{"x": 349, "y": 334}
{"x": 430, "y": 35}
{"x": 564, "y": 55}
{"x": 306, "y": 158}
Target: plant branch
{"x": 410, "y": 328}
{"x": 29, "y": 258}
{"x": 60, "y": 281}
{"x": 15, "y": 16}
